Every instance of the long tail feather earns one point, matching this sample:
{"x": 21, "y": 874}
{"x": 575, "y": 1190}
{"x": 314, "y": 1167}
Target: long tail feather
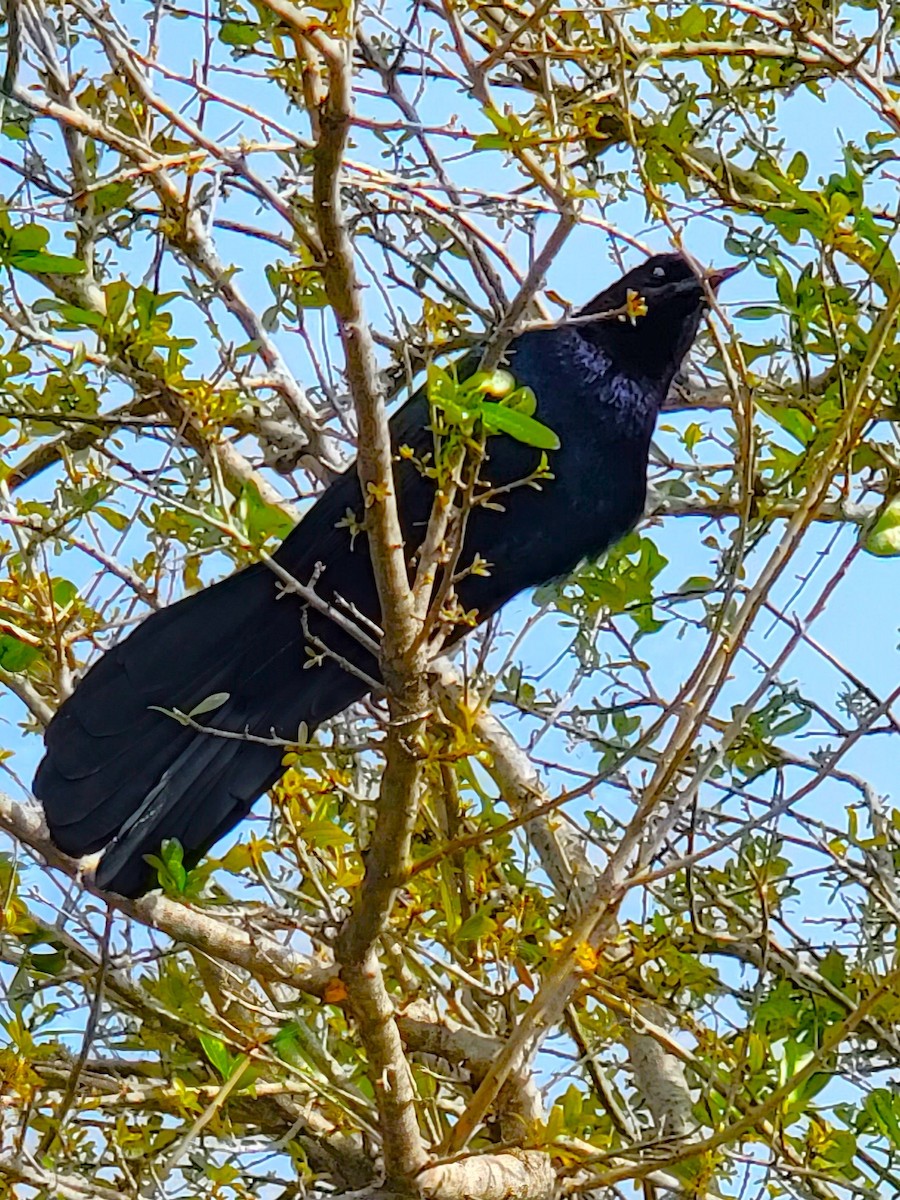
{"x": 120, "y": 774}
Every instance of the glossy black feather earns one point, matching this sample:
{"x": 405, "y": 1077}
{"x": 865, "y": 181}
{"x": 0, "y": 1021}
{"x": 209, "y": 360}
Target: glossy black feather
{"x": 119, "y": 774}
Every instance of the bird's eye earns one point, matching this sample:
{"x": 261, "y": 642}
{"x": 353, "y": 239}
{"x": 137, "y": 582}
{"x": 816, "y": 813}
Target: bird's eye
{"x": 659, "y": 272}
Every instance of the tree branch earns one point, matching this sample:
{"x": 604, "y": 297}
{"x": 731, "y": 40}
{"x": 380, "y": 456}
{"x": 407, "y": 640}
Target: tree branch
{"x": 401, "y": 662}
{"x": 262, "y": 957}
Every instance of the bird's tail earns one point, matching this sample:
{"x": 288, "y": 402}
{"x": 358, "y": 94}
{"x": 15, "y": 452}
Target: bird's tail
{"x": 118, "y": 773}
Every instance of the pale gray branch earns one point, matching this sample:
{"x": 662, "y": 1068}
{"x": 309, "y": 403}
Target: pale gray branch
{"x": 259, "y": 955}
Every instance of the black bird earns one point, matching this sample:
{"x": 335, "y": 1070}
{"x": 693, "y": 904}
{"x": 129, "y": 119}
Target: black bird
{"x": 121, "y": 775}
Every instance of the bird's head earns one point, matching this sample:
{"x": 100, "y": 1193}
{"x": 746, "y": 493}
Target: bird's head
{"x": 655, "y": 312}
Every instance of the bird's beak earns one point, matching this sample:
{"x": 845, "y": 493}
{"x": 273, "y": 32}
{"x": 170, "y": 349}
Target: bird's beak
{"x": 715, "y": 279}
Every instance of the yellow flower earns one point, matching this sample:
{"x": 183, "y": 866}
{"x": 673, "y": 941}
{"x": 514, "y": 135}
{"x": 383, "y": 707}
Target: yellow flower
{"x": 635, "y": 305}
{"x": 586, "y": 958}
{"x": 376, "y": 493}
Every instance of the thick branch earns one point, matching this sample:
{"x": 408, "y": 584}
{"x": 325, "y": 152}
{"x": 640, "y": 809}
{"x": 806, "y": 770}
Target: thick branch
{"x": 375, "y": 454}
{"x": 562, "y": 855}
{"x": 16, "y": 1169}
{"x": 389, "y": 1071}
{"x": 401, "y": 662}
{"x": 259, "y": 955}
{"x": 525, "y": 1175}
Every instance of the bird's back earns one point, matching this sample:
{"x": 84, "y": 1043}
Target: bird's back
{"x": 118, "y": 770}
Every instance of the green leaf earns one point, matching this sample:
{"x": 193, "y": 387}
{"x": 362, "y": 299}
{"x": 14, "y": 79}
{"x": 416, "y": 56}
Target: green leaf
{"x": 324, "y": 834}
{"x": 498, "y": 418}
{"x": 490, "y": 141}
{"x": 287, "y": 1042}
{"x": 522, "y": 400}
{"x": 696, "y": 585}
{"x": 573, "y": 1106}
{"x": 29, "y": 238}
{"x": 692, "y": 23}
{"x": 881, "y": 1108}
{"x": 64, "y": 592}
{"x": 883, "y": 539}
{"x": 217, "y": 1054}
{"x": 791, "y": 724}
{"x": 479, "y": 925}
{"x": 118, "y": 294}
{"x": 49, "y": 264}
{"x": 296, "y": 1043}
{"x": 50, "y": 962}
{"x": 833, "y": 967}
{"x": 70, "y": 312}
{"x": 235, "y": 33}
{"x": 118, "y": 520}
{"x": 784, "y": 285}
{"x": 798, "y": 167}
{"x": 16, "y": 656}
{"x": 758, "y": 312}
{"x": 260, "y": 519}
{"x": 169, "y": 866}
{"x": 499, "y": 120}
{"x": 692, "y": 436}
{"x": 210, "y": 704}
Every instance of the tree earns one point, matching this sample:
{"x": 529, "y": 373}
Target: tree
{"x": 610, "y": 901}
